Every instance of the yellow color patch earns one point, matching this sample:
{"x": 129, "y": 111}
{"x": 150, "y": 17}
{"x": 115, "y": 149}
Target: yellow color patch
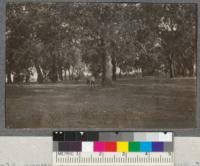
{"x": 122, "y": 146}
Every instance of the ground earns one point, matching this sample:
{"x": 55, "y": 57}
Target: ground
{"x": 129, "y": 103}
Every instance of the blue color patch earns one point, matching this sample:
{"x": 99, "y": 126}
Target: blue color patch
{"x": 145, "y": 146}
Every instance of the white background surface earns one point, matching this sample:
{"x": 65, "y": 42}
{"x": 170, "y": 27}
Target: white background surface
{"x": 37, "y": 151}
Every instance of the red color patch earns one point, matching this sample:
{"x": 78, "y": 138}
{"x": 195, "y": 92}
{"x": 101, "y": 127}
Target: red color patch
{"x": 110, "y": 146}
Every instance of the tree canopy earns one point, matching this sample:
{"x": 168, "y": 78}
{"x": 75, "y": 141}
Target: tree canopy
{"x": 102, "y": 37}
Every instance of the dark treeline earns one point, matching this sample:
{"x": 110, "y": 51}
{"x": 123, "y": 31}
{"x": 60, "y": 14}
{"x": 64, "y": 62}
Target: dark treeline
{"x": 62, "y": 38}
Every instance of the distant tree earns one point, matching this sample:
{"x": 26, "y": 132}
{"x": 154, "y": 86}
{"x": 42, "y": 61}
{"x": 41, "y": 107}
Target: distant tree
{"x": 57, "y": 38}
{"x": 178, "y": 36}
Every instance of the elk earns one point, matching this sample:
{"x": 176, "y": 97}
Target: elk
{"x": 90, "y": 81}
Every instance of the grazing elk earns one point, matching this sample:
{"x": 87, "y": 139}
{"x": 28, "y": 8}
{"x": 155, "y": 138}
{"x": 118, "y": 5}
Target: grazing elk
{"x": 90, "y": 81}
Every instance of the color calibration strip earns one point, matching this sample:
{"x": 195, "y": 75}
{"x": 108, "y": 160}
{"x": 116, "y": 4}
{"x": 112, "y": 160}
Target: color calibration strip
{"x": 113, "y": 148}
{"x": 112, "y": 142}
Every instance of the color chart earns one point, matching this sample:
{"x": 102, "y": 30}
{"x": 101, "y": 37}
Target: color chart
{"x": 112, "y": 147}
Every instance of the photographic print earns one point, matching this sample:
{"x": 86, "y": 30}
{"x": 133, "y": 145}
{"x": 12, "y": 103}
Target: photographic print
{"x": 101, "y": 65}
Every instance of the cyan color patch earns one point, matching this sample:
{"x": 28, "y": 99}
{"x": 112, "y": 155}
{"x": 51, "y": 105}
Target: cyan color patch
{"x": 145, "y": 146}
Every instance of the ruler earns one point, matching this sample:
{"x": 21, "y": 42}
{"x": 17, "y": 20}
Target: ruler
{"x": 111, "y": 159}
{"x": 113, "y": 149}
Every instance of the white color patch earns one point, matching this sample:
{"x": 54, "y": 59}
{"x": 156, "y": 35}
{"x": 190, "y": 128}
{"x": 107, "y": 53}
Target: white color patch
{"x": 152, "y": 136}
{"x": 165, "y": 137}
{"x": 87, "y": 146}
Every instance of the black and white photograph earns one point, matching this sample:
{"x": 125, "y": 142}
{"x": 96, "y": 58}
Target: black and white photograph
{"x": 101, "y": 65}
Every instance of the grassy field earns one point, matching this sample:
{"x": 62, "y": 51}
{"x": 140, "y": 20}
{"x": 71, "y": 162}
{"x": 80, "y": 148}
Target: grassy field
{"x": 130, "y": 103}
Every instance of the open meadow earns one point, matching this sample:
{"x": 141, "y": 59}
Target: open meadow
{"x": 128, "y": 103}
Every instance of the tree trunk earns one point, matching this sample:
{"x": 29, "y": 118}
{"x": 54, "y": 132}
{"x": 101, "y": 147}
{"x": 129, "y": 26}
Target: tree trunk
{"x": 69, "y": 73}
{"x": 60, "y": 74}
{"x": 142, "y": 69}
{"x": 194, "y": 70}
{"x": 40, "y": 77}
{"x": 107, "y": 70}
{"x": 65, "y": 74}
{"x": 72, "y": 74}
{"x": 120, "y": 73}
{"x": 54, "y": 74}
{"x": 9, "y": 80}
{"x": 171, "y": 66}
{"x": 103, "y": 69}
{"x": 39, "y": 73}
{"x": 114, "y": 69}
{"x": 106, "y": 64}
{"x": 27, "y": 78}
{"x": 191, "y": 71}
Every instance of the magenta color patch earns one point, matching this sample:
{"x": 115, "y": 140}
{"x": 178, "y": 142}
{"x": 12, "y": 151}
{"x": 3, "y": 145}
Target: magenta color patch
{"x": 99, "y": 147}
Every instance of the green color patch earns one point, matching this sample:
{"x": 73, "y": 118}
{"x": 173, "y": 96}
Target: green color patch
{"x": 134, "y": 147}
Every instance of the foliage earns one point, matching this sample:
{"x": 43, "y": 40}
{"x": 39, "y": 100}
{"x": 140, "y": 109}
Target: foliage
{"x": 59, "y": 37}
